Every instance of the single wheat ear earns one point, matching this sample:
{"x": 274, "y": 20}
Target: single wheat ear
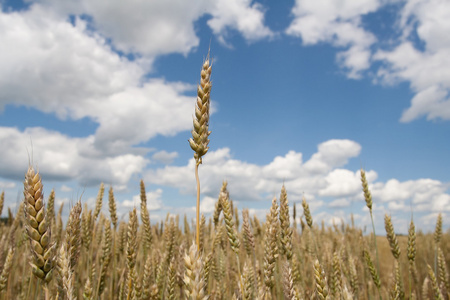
{"x": 199, "y": 141}
{"x": 2, "y": 201}
{"x": 37, "y": 226}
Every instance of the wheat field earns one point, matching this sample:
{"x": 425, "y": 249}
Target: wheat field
{"x": 228, "y": 255}
{"x": 94, "y": 256}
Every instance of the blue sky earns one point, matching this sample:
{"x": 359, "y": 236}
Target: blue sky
{"x": 304, "y": 93}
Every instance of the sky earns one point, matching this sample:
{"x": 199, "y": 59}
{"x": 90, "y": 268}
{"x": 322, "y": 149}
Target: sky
{"x": 304, "y": 94}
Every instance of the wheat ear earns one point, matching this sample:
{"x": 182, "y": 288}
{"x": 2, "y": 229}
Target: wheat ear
{"x": 307, "y": 213}
{"x": 50, "y": 207}
{"x": 37, "y": 227}
{"x": 145, "y": 217}
{"x": 288, "y": 283}
{"x": 372, "y": 270}
{"x": 193, "y": 276}
{"x": 336, "y": 277}
{"x": 99, "y": 201}
{"x": 437, "y": 239}
{"x": 411, "y": 253}
{"x": 6, "y": 268}
{"x": 105, "y": 258}
{"x": 321, "y": 282}
{"x": 2, "y": 201}
{"x": 368, "y": 199}
{"x": 391, "y": 237}
{"x": 286, "y": 230}
{"x": 199, "y": 141}
{"x": 112, "y": 208}
{"x": 66, "y": 273}
{"x": 434, "y": 283}
{"x": 131, "y": 251}
{"x": 73, "y": 235}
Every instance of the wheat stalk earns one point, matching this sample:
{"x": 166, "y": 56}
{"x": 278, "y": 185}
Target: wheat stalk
{"x": 199, "y": 141}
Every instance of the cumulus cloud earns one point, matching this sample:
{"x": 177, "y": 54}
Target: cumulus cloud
{"x": 429, "y": 77}
{"x": 341, "y": 183}
{"x": 62, "y": 158}
{"x": 207, "y": 205}
{"x": 338, "y": 23}
{"x": 96, "y": 82}
{"x": 164, "y": 156}
{"x": 418, "y": 54}
{"x": 322, "y": 179}
{"x": 241, "y": 15}
{"x": 56, "y": 67}
{"x": 162, "y": 27}
{"x": 251, "y": 182}
{"x": 65, "y": 188}
{"x": 7, "y": 185}
{"x": 62, "y": 68}
{"x": 339, "y": 203}
{"x": 425, "y": 67}
{"x": 429, "y": 192}
{"x": 153, "y": 200}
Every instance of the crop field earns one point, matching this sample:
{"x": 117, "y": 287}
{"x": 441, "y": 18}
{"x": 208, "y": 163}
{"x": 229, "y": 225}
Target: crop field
{"x": 228, "y": 255}
{"x": 93, "y": 256}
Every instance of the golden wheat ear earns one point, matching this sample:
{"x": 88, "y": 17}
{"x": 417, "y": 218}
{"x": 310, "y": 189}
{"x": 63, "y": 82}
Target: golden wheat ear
{"x": 37, "y": 227}
{"x": 199, "y": 141}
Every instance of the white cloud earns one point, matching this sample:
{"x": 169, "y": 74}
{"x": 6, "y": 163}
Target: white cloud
{"x": 241, "y": 15}
{"x": 338, "y": 23}
{"x": 331, "y": 154}
{"x": 153, "y": 28}
{"x": 427, "y": 69}
{"x": 418, "y": 191}
{"x": 164, "y": 156}
{"x": 36, "y": 45}
{"x": 341, "y": 183}
{"x": 140, "y": 113}
{"x": 418, "y": 56}
{"x": 62, "y": 158}
{"x": 321, "y": 179}
{"x": 7, "y": 185}
{"x": 92, "y": 81}
{"x": 252, "y": 182}
{"x": 429, "y": 220}
{"x": 153, "y": 200}
{"x": 340, "y": 203}
{"x": 65, "y": 188}
{"x": 429, "y": 75}
{"x": 207, "y": 205}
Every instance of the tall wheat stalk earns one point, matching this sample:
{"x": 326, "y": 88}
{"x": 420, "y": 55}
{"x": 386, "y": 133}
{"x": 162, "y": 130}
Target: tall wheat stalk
{"x": 199, "y": 141}
{"x": 368, "y": 199}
